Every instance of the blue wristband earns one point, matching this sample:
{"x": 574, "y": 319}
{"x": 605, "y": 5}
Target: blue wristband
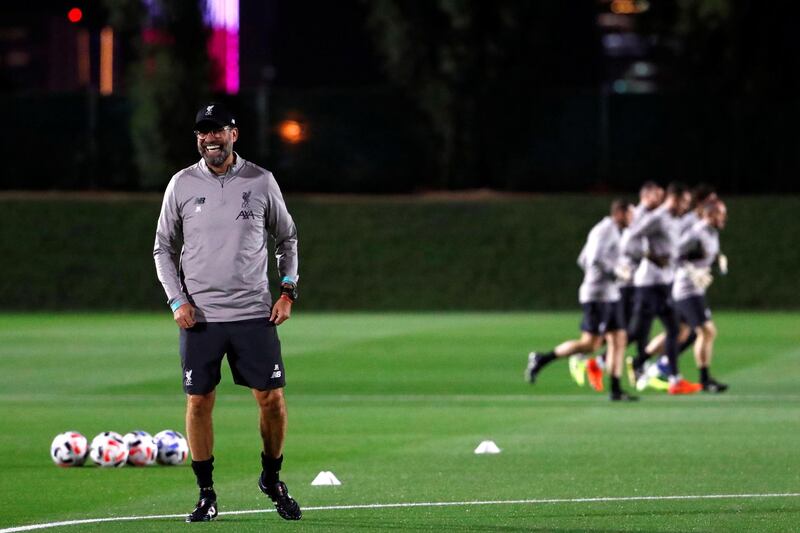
{"x": 289, "y": 280}
{"x": 176, "y": 304}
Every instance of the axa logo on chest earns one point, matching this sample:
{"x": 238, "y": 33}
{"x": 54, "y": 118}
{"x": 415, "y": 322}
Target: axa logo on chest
{"x": 248, "y": 214}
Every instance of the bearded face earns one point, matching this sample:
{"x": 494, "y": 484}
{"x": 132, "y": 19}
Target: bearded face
{"x": 215, "y": 147}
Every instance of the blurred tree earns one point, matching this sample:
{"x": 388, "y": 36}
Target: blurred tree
{"x": 474, "y": 67}
{"x": 166, "y": 83}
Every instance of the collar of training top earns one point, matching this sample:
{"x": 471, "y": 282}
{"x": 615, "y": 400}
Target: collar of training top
{"x": 238, "y": 162}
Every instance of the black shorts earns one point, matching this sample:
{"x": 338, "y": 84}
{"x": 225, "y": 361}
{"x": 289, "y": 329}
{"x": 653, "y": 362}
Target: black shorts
{"x": 694, "y": 311}
{"x": 615, "y": 318}
{"x": 626, "y": 296}
{"x": 252, "y": 347}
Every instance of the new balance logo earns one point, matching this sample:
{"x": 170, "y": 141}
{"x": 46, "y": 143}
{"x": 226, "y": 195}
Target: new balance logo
{"x": 277, "y": 372}
{"x": 188, "y": 381}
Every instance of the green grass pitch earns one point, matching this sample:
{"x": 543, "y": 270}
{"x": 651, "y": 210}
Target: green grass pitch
{"x": 394, "y": 405}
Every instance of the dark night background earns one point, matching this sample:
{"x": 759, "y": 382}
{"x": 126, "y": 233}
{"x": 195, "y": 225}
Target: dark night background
{"x": 416, "y": 95}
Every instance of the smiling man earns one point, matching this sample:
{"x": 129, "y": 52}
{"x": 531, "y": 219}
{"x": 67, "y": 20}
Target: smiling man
{"x": 211, "y": 256}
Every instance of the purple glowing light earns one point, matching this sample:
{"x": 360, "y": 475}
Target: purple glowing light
{"x": 222, "y": 16}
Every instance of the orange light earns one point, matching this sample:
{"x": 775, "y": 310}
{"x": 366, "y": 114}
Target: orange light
{"x": 75, "y": 15}
{"x": 291, "y": 131}
{"x": 84, "y": 60}
{"x": 106, "y": 61}
{"x": 622, "y": 7}
{"x": 629, "y": 7}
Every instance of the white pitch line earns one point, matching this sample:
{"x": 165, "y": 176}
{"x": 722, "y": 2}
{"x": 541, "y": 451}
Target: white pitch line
{"x": 603, "y": 499}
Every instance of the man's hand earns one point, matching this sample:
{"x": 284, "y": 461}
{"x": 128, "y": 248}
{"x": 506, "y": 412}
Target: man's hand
{"x": 281, "y": 311}
{"x": 184, "y": 316}
{"x": 700, "y": 277}
{"x": 623, "y": 272}
{"x": 722, "y": 262}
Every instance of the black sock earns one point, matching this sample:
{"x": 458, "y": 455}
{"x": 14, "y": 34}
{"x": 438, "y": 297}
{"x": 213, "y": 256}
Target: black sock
{"x": 615, "y": 386}
{"x": 547, "y": 358}
{"x": 640, "y": 360}
{"x": 202, "y": 471}
{"x": 688, "y": 342}
{"x": 270, "y": 468}
{"x": 704, "y": 376}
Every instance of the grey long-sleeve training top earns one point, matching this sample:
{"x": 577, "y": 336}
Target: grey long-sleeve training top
{"x": 211, "y": 241}
{"x": 600, "y": 256}
{"x": 660, "y": 230}
{"x": 702, "y": 238}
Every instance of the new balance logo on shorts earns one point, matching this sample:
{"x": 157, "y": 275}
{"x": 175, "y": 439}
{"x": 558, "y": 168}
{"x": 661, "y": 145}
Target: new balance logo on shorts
{"x": 276, "y": 373}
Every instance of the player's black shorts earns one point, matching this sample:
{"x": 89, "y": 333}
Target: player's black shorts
{"x": 253, "y": 349}
{"x": 653, "y": 300}
{"x": 627, "y": 294}
{"x": 694, "y": 311}
{"x": 601, "y": 317}
{"x": 615, "y": 316}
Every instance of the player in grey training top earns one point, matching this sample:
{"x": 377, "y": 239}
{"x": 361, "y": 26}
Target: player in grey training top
{"x": 653, "y": 278}
{"x": 599, "y": 298}
{"x": 651, "y": 195}
{"x": 698, "y": 250}
{"x": 211, "y": 257}
{"x": 701, "y": 194}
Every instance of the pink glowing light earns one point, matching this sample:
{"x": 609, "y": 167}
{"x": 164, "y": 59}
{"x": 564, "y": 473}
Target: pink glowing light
{"x": 222, "y": 16}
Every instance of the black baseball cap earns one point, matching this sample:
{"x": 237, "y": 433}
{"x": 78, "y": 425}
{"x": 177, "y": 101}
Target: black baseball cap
{"x": 214, "y": 115}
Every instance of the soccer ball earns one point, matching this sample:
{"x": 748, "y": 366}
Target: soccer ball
{"x": 142, "y": 448}
{"x": 172, "y": 447}
{"x": 69, "y": 449}
{"x": 108, "y": 449}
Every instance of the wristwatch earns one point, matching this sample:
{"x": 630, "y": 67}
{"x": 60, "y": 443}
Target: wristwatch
{"x": 290, "y": 290}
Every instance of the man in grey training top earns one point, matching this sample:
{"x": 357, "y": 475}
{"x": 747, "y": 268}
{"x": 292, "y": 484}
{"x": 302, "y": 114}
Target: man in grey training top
{"x": 660, "y": 230}
{"x": 603, "y": 316}
{"x": 211, "y": 257}
{"x": 698, "y": 250}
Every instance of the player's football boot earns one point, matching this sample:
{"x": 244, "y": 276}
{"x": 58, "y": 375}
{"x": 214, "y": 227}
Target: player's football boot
{"x": 630, "y": 371}
{"x": 594, "y": 374}
{"x": 684, "y": 387}
{"x": 657, "y": 383}
{"x": 654, "y": 377}
{"x": 205, "y": 510}
{"x": 622, "y": 396}
{"x": 642, "y": 375}
{"x": 577, "y": 369}
{"x": 286, "y": 506}
{"x": 714, "y": 386}
{"x": 533, "y": 368}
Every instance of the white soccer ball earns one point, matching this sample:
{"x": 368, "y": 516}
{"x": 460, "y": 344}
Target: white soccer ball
{"x": 69, "y": 449}
{"x": 109, "y": 449}
{"x": 172, "y": 447}
{"x": 142, "y": 448}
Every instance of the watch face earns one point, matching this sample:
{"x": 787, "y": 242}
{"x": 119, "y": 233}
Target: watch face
{"x": 290, "y": 291}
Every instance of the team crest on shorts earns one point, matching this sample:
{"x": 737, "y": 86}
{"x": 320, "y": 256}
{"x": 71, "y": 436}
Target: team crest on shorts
{"x": 188, "y": 378}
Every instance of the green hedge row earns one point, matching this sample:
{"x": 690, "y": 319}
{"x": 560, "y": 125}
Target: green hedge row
{"x": 396, "y": 253}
